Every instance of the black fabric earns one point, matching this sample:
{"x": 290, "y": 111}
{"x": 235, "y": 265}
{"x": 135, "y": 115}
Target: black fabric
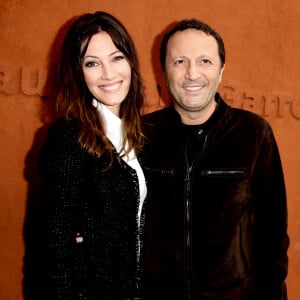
{"x": 79, "y": 197}
{"x": 215, "y": 228}
{"x": 194, "y": 139}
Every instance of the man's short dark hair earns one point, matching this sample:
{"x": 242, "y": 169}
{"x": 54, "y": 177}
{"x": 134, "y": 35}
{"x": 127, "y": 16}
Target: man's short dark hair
{"x": 191, "y": 24}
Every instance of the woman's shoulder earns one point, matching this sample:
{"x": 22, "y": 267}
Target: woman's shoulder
{"x": 61, "y": 146}
{"x": 63, "y": 126}
{"x": 62, "y": 134}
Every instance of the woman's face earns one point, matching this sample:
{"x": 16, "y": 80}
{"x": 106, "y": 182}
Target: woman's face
{"x": 106, "y": 71}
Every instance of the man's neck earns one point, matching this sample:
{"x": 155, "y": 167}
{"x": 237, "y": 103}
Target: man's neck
{"x": 196, "y": 117}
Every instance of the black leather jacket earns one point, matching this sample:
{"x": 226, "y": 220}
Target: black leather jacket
{"x": 215, "y": 227}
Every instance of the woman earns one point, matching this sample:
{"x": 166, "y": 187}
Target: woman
{"x": 93, "y": 186}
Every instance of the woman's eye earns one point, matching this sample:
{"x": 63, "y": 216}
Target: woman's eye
{"x": 118, "y": 58}
{"x": 90, "y": 64}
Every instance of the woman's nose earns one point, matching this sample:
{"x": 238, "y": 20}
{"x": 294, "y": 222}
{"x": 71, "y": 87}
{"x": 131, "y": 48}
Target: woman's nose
{"x": 107, "y": 72}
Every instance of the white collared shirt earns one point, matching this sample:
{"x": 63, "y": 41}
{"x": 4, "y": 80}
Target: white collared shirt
{"x": 113, "y": 127}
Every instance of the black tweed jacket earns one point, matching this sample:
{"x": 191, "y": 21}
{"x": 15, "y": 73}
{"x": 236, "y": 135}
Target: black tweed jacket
{"x": 89, "y": 230}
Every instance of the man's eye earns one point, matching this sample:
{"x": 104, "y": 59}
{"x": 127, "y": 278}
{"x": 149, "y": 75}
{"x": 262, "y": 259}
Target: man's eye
{"x": 205, "y": 61}
{"x": 179, "y": 62}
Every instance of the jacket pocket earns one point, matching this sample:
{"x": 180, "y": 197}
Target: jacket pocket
{"x": 156, "y": 171}
{"x": 223, "y": 172}
{"x": 81, "y": 270}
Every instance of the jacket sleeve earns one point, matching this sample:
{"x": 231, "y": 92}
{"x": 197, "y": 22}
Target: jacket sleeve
{"x": 270, "y": 220}
{"x": 60, "y": 168}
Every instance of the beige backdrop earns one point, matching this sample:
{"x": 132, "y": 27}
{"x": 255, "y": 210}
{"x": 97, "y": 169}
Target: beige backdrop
{"x": 263, "y": 46}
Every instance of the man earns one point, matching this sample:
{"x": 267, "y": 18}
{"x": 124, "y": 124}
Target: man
{"x": 216, "y": 215}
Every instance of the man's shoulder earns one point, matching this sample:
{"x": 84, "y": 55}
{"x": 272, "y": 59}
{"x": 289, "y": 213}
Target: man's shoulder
{"x": 248, "y": 116}
{"x": 159, "y": 115}
{"x": 157, "y": 112}
{"x": 241, "y": 118}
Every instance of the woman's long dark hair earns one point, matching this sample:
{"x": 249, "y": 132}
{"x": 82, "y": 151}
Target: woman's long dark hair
{"x": 74, "y": 100}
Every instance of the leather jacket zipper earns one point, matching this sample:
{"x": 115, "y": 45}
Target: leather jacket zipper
{"x": 188, "y": 256}
{"x": 188, "y": 220}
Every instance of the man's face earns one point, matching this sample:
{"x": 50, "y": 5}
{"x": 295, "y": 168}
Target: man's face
{"x": 193, "y": 71}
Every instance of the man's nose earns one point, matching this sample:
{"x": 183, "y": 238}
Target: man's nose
{"x": 193, "y": 71}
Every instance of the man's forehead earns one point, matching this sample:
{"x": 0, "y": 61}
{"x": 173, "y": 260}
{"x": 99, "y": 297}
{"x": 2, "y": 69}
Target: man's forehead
{"x": 192, "y": 41}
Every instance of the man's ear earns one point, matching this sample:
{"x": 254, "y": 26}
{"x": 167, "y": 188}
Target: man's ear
{"x": 221, "y": 73}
